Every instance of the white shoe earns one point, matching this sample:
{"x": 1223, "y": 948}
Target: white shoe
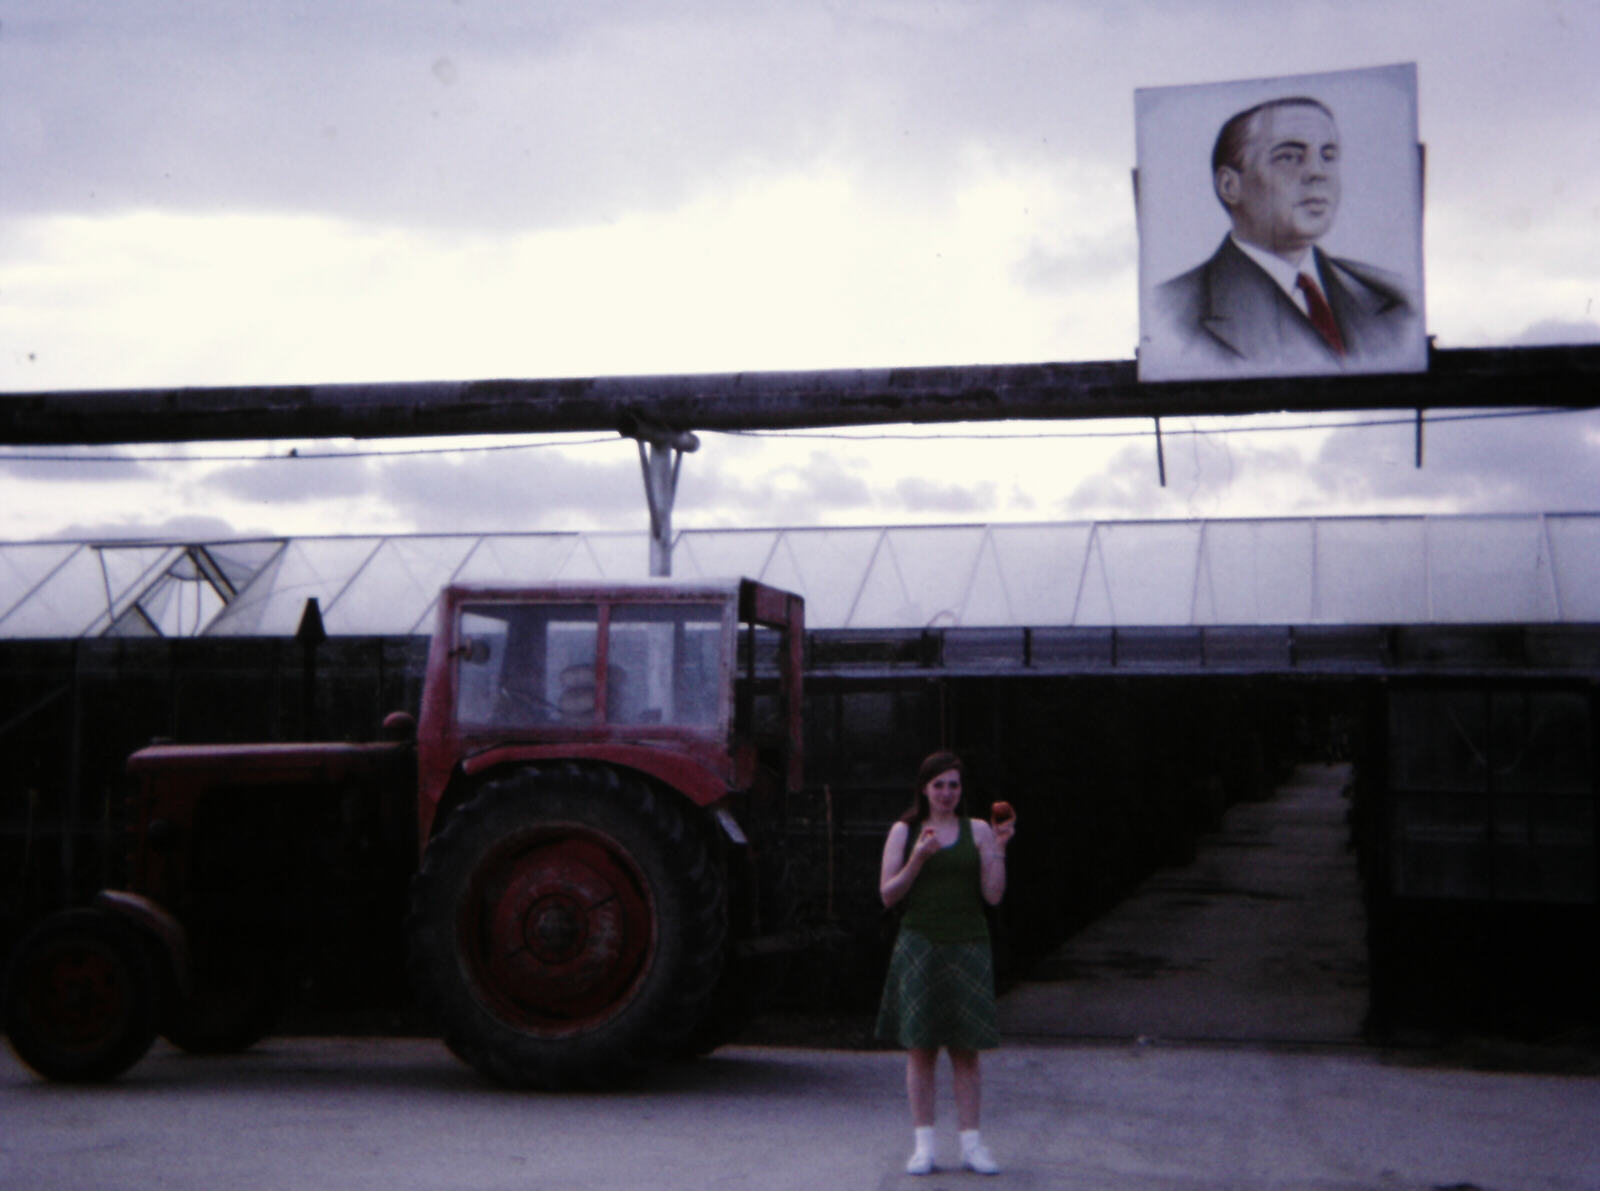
{"x": 978, "y": 1158}
{"x": 920, "y": 1162}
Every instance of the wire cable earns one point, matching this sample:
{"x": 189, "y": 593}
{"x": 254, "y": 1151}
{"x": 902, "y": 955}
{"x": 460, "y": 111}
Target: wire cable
{"x": 297, "y": 454}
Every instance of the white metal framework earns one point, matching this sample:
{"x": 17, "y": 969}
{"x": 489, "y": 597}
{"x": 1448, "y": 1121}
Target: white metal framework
{"x": 1492, "y": 569}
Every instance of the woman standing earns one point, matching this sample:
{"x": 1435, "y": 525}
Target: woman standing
{"x": 940, "y": 988}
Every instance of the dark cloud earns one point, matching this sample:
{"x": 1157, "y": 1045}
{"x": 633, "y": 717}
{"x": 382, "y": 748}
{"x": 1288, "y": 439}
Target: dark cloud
{"x": 1528, "y": 462}
{"x": 188, "y": 527}
{"x": 540, "y": 488}
{"x": 1524, "y": 463}
{"x": 917, "y": 494}
{"x": 442, "y": 114}
{"x": 1551, "y": 332}
{"x": 539, "y": 114}
{"x": 1129, "y": 485}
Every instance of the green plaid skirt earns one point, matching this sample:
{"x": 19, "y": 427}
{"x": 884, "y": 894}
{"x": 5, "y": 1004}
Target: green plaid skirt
{"x": 939, "y": 994}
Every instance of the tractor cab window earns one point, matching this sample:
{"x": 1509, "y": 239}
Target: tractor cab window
{"x": 520, "y": 665}
{"x": 665, "y": 665}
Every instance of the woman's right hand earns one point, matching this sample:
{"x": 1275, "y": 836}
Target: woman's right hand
{"x": 927, "y": 844}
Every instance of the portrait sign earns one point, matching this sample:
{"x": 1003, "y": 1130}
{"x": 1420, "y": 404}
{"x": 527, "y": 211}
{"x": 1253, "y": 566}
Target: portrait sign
{"x": 1280, "y": 227}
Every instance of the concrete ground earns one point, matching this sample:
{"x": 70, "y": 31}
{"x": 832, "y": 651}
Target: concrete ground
{"x": 1261, "y": 938}
{"x": 1203, "y": 1037}
{"x": 403, "y": 1115}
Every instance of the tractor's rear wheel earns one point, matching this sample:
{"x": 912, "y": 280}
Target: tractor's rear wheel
{"x": 82, "y": 997}
{"x": 568, "y": 925}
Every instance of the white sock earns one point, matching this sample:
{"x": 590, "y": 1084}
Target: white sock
{"x": 969, "y": 1140}
{"x": 924, "y": 1136}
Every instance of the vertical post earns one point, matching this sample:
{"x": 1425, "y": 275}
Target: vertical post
{"x": 661, "y": 452}
{"x": 72, "y": 810}
{"x": 660, "y": 466}
{"x": 310, "y": 635}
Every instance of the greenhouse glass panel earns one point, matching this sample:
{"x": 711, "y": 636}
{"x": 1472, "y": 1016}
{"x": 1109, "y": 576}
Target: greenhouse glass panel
{"x": 308, "y": 568}
{"x": 1439, "y": 740}
{"x": 1483, "y": 569}
{"x": 179, "y": 604}
{"x": 394, "y": 589}
{"x": 987, "y": 604}
{"x": 1371, "y": 571}
{"x": 610, "y": 556}
{"x": 1147, "y": 573}
{"x": 918, "y": 577}
{"x": 826, "y": 566}
{"x": 1575, "y": 549}
{"x": 1255, "y": 572}
{"x": 24, "y": 566}
{"x": 518, "y": 559}
{"x": 724, "y": 554}
{"x": 129, "y": 570}
{"x": 1541, "y": 742}
{"x": 66, "y": 604}
{"x": 1042, "y": 567}
{"x": 182, "y": 608}
{"x": 241, "y": 562}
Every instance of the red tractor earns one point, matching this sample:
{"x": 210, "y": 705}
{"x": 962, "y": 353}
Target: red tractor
{"x": 578, "y": 788}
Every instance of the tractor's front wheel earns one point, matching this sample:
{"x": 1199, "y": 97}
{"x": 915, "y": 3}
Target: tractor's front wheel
{"x": 567, "y": 926}
{"x": 82, "y": 997}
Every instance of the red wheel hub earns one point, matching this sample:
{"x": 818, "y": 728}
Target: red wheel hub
{"x": 78, "y": 990}
{"x": 559, "y": 929}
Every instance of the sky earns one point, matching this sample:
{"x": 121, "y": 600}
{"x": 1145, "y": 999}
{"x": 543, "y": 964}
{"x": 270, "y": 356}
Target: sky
{"x": 278, "y": 191}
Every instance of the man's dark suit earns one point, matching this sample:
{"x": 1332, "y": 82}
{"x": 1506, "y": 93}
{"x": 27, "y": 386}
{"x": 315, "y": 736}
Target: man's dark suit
{"x": 1228, "y": 311}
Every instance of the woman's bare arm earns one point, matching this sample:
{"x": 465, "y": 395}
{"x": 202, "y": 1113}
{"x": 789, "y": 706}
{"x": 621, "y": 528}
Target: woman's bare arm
{"x": 896, "y": 876}
{"x": 992, "y": 843}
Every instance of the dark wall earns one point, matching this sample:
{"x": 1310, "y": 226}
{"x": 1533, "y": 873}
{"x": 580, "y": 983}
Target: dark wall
{"x": 72, "y": 712}
{"x": 1112, "y": 775}
{"x": 1477, "y": 814}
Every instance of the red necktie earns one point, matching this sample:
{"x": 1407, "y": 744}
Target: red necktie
{"x": 1321, "y": 313}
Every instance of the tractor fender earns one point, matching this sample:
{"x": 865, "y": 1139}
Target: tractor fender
{"x": 702, "y": 786}
{"x": 157, "y": 924}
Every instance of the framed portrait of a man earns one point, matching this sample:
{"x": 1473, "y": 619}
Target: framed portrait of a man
{"x": 1280, "y": 227}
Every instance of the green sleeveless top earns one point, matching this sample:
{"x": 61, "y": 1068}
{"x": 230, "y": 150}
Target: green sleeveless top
{"x": 945, "y": 903}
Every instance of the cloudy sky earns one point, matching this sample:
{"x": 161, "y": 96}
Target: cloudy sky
{"x": 266, "y": 191}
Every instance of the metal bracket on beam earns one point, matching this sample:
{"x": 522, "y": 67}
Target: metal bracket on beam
{"x": 661, "y": 452}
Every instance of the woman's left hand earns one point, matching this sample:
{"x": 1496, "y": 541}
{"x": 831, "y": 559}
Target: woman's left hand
{"x": 1004, "y": 830}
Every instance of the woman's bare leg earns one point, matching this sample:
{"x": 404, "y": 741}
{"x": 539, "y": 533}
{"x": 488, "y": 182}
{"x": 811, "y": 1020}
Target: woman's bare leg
{"x": 968, "y": 1081}
{"x": 921, "y": 1072}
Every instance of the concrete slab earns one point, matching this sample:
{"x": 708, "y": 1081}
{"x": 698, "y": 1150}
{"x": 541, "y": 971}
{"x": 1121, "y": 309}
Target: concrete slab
{"x": 1259, "y": 939}
{"x": 1262, "y": 938}
{"x": 403, "y": 1115}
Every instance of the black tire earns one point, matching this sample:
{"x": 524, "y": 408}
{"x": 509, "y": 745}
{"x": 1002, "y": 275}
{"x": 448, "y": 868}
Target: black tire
{"x": 740, "y": 987}
{"x": 82, "y": 997}
{"x": 238, "y": 995}
{"x": 567, "y": 926}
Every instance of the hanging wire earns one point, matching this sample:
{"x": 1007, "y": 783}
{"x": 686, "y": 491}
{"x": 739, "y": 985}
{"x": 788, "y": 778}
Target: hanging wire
{"x": 298, "y": 454}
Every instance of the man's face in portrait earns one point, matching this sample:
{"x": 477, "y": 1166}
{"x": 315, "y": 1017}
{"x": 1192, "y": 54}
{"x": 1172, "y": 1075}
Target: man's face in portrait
{"x": 1285, "y": 191}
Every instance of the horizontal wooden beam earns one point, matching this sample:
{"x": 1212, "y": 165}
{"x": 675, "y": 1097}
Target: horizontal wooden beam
{"x": 1566, "y": 376}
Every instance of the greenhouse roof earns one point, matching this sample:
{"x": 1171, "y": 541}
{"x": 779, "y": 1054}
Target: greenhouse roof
{"x": 1490, "y": 569}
